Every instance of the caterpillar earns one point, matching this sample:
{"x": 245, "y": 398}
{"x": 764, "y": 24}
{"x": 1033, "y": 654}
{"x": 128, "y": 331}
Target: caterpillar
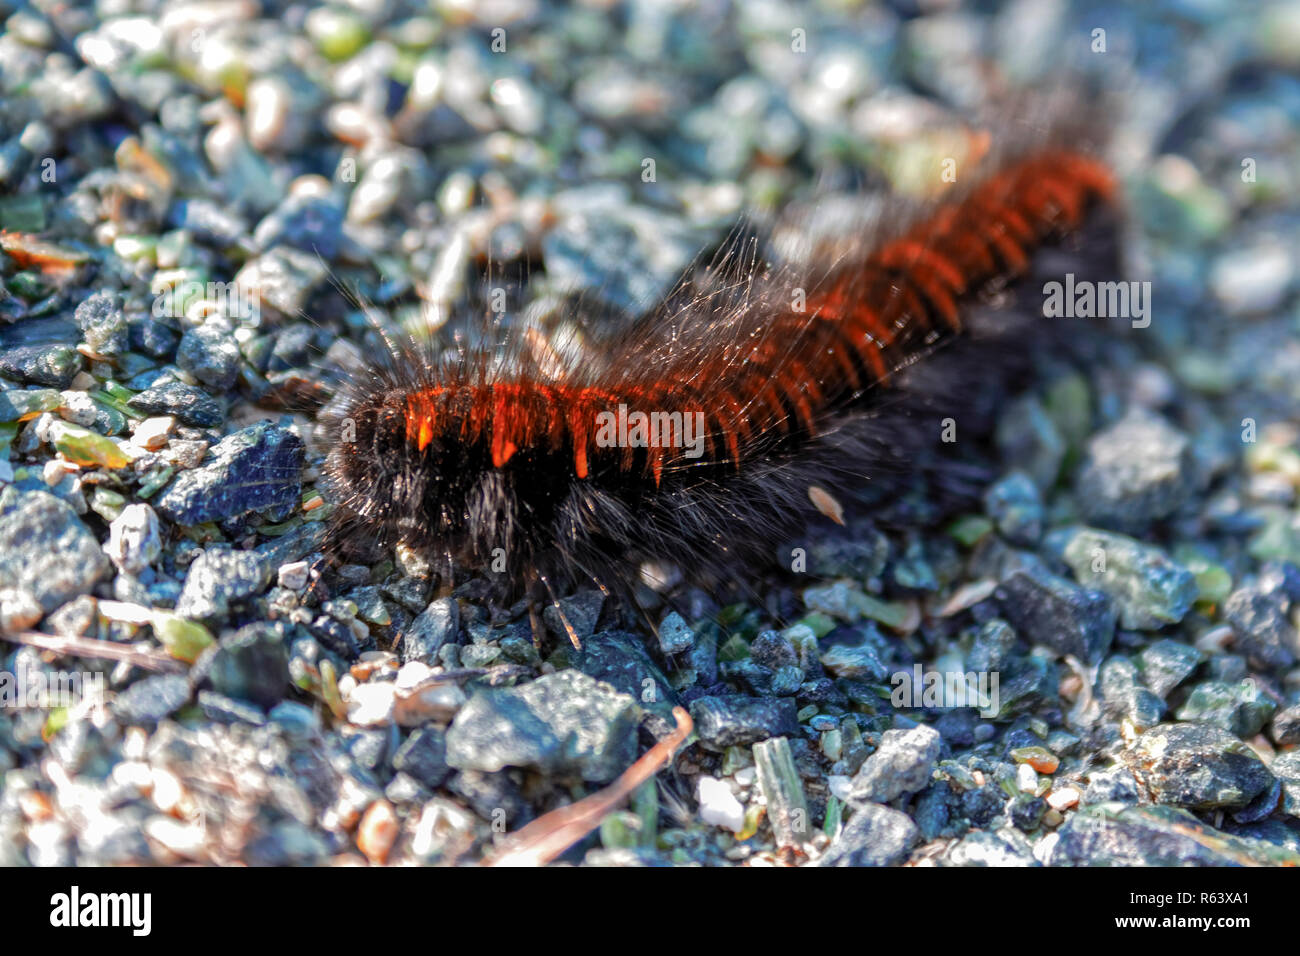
{"x": 749, "y": 401}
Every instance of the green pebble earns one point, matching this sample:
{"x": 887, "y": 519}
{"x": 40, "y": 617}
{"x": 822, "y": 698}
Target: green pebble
{"x": 820, "y": 624}
{"x": 88, "y": 448}
{"x": 969, "y": 529}
{"x": 184, "y": 639}
{"x": 338, "y": 34}
{"x": 17, "y": 404}
{"x": 889, "y": 613}
{"x": 106, "y": 503}
{"x": 23, "y": 213}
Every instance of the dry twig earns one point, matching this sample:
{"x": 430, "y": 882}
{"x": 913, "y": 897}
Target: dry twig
{"x": 97, "y": 649}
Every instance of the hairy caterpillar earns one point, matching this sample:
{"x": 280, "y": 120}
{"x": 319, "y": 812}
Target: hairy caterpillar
{"x": 724, "y": 419}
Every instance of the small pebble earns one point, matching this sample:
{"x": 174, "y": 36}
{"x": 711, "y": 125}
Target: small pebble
{"x": 378, "y": 831}
{"x": 718, "y": 805}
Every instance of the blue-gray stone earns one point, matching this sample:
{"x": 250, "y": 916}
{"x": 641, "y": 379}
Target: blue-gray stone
{"x": 219, "y": 578}
{"x": 1047, "y": 609}
{"x": 734, "y": 720}
{"x": 437, "y": 625}
{"x": 45, "y": 549}
{"x": 189, "y": 403}
{"x": 1139, "y": 470}
{"x": 562, "y": 723}
{"x": 256, "y": 469}
{"x": 103, "y": 323}
{"x": 1167, "y": 663}
{"x": 675, "y": 635}
{"x": 211, "y": 354}
{"x": 151, "y": 699}
{"x": 874, "y": 836}
{"x": 1016, "y": 507}
{"x": 1240, "y": 708}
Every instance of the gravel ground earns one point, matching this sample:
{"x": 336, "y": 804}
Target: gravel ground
{"x": 184, "y": 187}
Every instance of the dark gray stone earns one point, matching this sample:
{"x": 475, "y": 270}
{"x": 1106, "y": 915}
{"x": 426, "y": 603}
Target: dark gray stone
{"x": 189, "y": 404}
{"x": 437, "y": 625}
{"x": 211, "y": 354}
{"x": 620, "y": 659}
{"x": 1262, "y": 625}
{"x": 52, "y": 365}
{"x": 874, "y": 836}
{"x": 730, "y": 721}
{"x": 258, "y": 468}
{"x": 423, "y": 755}
{"x": 1045, "y": 608}
{"x": 1197, "y": 766}
{"x": 151, "y": 699}
{"x": 252, "y": 664}
{"x": 1155, "y": 836}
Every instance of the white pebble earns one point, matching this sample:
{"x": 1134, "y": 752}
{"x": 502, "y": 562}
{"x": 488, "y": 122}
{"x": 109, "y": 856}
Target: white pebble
{"x": 371, "y": 705}
{"x": 168, "y": 792}
{"x": 293, "y": 575}
{"x": 134, "y": 743}
{"x": 1063, "y": 799}
{"x": 1026, "y": 778}
{"x": 55, "y": 470}
{"x": 268, "y": 105}
{"x": 41, "y": 427}
{"x": 1252, "y": 280}
{"x": 840, "y": 786}
{"x": 719, "y": 806}
{"x": 78, "y": 408}
{"x": 152, "y": 433}
{"x": 133, "y": 773}
{"x": 412, "y": 674}
{"x": 126, "y": 612}
{"x": 184, "y": 839}
{"x": 133, "y": 539}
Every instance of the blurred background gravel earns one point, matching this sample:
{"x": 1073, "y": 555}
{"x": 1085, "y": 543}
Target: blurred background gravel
{"x": 184, "y": 187}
